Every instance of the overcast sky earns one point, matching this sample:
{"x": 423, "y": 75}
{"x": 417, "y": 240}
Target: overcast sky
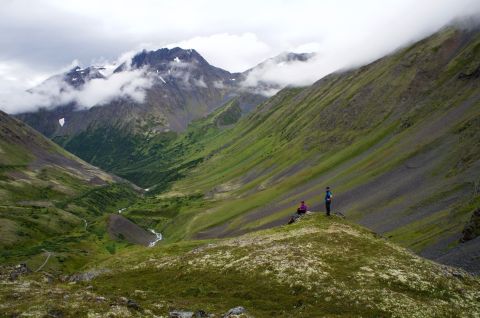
{"x": 39, "y": 38}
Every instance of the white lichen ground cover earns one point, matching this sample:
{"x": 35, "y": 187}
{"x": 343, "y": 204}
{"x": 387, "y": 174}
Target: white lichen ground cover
{"x": 338, "y": 268}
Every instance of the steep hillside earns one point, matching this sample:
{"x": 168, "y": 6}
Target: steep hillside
{"x": 169, "y": 157}
{"x": 397, "y": 140}
{"x": 51, "y": 201}
{"x": 318, "y": 267}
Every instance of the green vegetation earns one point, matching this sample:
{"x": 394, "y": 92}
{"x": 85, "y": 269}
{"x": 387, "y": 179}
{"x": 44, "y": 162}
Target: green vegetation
{"x": 387, "y": 137}
{"x": 317, "y": 267}
{"x": 52, "y": 202}
{"x": 152, "y": 159}
{"x": 74, "y": 229}
{"x": 397, "y": 140}
{"x": 121, "y": 149}
{"x": 159, "y": 213}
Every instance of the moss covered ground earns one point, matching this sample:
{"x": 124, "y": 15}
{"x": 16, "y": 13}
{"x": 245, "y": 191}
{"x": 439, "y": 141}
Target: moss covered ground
{"x": 317, "y": 267}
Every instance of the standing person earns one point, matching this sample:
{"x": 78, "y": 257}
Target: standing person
{"x": 328, "y": 200}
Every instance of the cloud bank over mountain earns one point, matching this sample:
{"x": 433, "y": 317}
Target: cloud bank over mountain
{"x": 42, "y": 40}
{"x": 97, "y": 91}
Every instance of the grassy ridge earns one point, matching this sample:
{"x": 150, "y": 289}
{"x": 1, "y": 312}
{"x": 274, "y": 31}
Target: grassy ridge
{"x": 317, "y": 267}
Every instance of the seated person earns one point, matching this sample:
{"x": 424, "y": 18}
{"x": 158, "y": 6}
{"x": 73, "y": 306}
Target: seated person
{"x": 302, "y": 209}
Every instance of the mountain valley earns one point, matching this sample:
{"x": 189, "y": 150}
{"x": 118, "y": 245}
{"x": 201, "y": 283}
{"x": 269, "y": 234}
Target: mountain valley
{"x": 177, "y": 206}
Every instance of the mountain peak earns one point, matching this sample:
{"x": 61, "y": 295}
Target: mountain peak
{"x": 293, "y": 57}
{"x": 283, "y": 58}
{"x": 166, "y": 56}
{"x": 78, "y": 76}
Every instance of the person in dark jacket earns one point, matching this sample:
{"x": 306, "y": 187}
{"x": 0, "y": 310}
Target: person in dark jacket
{"x": 328, "y": 200}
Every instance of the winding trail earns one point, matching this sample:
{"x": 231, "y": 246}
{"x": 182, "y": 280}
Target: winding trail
{"x": 46, "y": 260}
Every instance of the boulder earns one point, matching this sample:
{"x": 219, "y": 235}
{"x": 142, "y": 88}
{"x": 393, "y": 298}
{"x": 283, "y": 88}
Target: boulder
{"x": 234, "y": 312}
{"x": 48, "y": 278}
{"x": 189, "y": 314}
{"x": 181, "y": 314}
{"x": 201, "y": 314}
{"x": 472, "y": 228}
{"x": 132, "y": 304}
{"x": 55, "y": 313}
{"x": 86, "y": 276}
{"x": 20, "y": 269}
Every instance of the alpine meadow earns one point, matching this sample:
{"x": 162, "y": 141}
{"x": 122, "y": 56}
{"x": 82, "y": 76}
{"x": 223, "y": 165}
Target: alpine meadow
{"x": 193, "y": 175}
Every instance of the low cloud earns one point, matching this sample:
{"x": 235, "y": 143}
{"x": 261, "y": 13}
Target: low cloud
{"x": 129, "y": 84}
{"x": 218, "y": 84}
{"x": 37, "y": 42}
{"x": 272, "y": 75}
{"x": 335, "y": 55}
{"x": 200, "y": 82}
{"x": 234, "y": 52}
{"x": 55, "y": 91}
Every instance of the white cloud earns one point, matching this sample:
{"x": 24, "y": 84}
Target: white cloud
{"x": 229, "y": 51}
{"x": 234, "y": 35}
{"x": 356, "y": 46}
{"x": 283, "y": 74}
{"x": 218, "y": 84}
{"x": 311, "y": 47}
{"x": 99, "y": 91}
{"x": 200, "y": 82}
{"x": 55, "y": 91}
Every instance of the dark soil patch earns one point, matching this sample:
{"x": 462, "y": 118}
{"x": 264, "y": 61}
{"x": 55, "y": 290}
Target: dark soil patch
{"x": 120, "y": 227}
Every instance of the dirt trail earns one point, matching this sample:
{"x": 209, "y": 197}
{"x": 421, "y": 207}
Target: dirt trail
{"x": 46, "y": 260}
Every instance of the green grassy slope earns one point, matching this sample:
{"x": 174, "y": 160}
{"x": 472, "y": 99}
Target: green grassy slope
{"x": 396, "y": 139}
{"x": 317, "y": 267}
{"x": 153, "y": 158}
{"x": 167, "y": 157}
{"x": 52, "y": 201}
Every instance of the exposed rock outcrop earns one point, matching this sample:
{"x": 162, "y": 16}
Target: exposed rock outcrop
{"x": 472, "y": 228}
